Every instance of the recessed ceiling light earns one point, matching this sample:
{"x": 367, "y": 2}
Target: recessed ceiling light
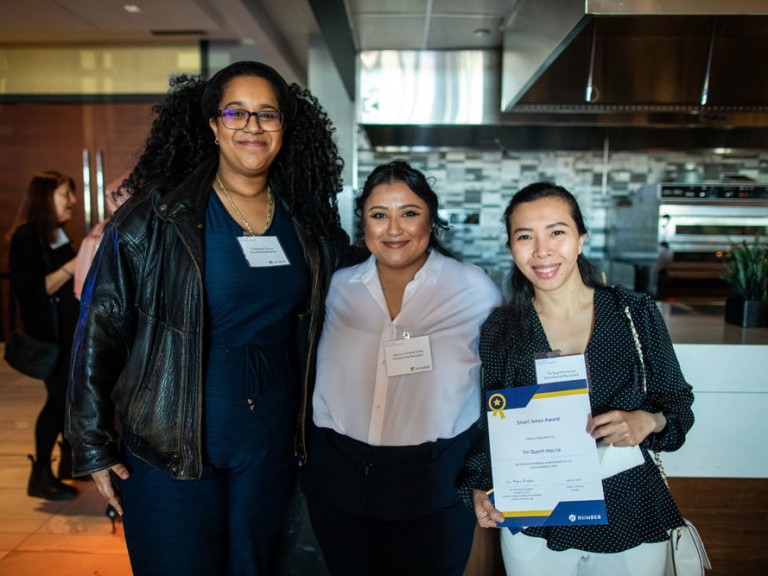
{"x": 482, "y": 32}
{"x": 132, "y": 8}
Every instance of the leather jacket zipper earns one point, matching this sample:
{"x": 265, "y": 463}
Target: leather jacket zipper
{"x": 184, "y": 458}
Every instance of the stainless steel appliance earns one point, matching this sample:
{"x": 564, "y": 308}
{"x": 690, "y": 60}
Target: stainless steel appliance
{"x": 672, "y": 239}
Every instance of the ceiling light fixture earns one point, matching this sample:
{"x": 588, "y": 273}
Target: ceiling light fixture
{"x": 132, "y": 8}
{"x": 482, "y": 33}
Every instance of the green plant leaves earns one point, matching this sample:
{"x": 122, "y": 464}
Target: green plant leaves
{"x": 748, "y": 270}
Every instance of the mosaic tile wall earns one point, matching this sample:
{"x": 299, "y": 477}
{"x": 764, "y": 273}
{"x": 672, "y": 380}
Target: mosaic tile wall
{"x": 475, "y": 182}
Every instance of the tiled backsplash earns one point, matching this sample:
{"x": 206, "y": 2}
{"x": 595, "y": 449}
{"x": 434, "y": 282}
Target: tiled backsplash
{"x": 476, "y": 182}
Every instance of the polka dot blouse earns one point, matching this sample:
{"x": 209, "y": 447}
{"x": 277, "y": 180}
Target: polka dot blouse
{"x": 639, "y": 505}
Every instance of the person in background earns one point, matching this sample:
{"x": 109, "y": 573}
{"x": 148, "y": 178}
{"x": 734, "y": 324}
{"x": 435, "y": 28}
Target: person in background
{"x": 42, "y": 262}
{"x": 639, "y": 397}
{"x": 90, "y": 243}
{"x": 389, "y": 437}
{"x": 199, "y": 320}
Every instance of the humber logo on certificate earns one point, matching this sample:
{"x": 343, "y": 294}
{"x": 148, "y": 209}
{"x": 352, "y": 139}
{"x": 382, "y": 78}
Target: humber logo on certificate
{"x": 546, "y": 470}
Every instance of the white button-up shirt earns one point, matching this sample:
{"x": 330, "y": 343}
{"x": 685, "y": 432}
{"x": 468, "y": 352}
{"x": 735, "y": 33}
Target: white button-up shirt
{"x": 447, "y": 301}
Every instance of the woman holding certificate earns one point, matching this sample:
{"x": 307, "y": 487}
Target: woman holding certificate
{"x": 639, "y": 398}
{"x": 397, "y": 390}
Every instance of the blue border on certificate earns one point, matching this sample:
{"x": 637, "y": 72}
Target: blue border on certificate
{"x": 578, "y": 513}
{"x": 521, "y": 396}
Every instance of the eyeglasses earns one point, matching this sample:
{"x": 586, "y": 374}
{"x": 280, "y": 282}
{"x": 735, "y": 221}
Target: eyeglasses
{"x": 237, "y": 119}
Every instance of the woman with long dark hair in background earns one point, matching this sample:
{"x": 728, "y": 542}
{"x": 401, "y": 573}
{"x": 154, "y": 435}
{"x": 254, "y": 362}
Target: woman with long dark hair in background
{"x": 42, "y": 262}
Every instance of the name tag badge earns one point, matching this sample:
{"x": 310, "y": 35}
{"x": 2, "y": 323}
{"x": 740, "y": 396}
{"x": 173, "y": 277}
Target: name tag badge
{"x": 408, "y": 356}
{"x": 263, "y": 251}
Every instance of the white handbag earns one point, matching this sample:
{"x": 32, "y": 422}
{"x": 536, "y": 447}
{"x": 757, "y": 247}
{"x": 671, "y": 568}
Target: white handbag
{"x": 686, "y": 555}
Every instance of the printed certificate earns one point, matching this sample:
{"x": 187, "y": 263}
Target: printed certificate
{"x": 545, "y": 465}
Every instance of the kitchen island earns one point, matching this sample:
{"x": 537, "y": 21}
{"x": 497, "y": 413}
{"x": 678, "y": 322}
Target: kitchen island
{"x": 703, "y": 323}
{"x": 726, "y": 365}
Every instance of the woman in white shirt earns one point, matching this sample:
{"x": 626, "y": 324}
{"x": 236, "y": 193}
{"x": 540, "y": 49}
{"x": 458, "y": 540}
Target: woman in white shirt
{"x": 397, "y": 392}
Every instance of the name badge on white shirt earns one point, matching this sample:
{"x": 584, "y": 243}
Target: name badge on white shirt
{"x": 408, "y": 356}
{"x": 263, "y": 251}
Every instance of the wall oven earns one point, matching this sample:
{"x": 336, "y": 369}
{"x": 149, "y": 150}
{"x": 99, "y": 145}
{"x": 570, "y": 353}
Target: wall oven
{"x": 673, "y": 240}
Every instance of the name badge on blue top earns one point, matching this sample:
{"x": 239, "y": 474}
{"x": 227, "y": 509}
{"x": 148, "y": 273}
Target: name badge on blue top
{"x": 263, "y": 251}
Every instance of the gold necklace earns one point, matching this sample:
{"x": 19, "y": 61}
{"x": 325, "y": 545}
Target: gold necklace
{"x": 270, "y": 209}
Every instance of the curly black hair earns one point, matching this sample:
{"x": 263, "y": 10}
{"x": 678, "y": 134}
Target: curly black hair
{"x": 306, "y": 173}
{"x": 179, "y": 139}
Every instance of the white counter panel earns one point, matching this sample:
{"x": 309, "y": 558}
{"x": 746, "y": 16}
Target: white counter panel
{"x": 730, "y": 436}
{"x": 724, "y": 368}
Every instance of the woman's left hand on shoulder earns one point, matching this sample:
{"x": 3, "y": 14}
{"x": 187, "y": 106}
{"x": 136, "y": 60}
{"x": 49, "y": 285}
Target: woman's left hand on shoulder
{"x": 621, "y": 428}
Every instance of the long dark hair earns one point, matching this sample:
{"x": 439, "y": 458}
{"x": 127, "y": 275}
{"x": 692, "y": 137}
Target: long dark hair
{"x": 401, "y": 171}
{"x": 306, "y": 173}
{"x": 38, "y": 209}
{"x": 520, "y": 288}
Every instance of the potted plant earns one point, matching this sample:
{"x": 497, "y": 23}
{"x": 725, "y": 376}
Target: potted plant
{"x": 747, "y": 272}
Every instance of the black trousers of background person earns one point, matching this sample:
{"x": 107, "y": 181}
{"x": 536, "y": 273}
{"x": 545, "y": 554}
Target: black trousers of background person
{"x": 50, "y": 421}
{"x": 386, "y": 511}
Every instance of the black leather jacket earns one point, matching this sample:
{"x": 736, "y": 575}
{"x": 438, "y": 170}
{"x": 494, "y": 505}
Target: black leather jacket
{"x": 138, "y": 352}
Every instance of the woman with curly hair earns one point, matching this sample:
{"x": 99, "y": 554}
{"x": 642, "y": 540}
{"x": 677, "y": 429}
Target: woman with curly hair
{"x": 199, "y": 320}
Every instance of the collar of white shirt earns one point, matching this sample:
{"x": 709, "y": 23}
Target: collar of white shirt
{"x": 428, "y": 274}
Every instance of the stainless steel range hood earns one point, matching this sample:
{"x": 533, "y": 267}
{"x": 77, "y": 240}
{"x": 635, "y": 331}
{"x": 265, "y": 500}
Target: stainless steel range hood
{"x": 573, "y": 74}
{"x": 681, "y": 53}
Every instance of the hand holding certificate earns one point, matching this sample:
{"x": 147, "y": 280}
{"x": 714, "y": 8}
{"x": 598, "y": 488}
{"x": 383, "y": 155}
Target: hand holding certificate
{"x": 545, "y": 464}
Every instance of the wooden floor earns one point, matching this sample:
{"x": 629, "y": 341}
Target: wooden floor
{"x": 731, "y": 515}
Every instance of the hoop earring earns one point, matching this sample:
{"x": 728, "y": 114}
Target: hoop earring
{"x": 216, "y": 141}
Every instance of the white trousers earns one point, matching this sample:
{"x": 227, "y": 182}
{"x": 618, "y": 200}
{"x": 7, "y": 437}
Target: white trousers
{"x": 529, "y": 556}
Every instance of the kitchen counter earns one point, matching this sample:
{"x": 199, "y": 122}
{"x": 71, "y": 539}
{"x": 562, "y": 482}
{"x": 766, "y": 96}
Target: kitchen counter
{"x": 704, "y": 323}
{"x": 725, "y": 365}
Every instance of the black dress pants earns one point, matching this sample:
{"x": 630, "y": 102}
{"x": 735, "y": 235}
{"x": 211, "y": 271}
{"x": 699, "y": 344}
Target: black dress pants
{"x": 386, "y": 511}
